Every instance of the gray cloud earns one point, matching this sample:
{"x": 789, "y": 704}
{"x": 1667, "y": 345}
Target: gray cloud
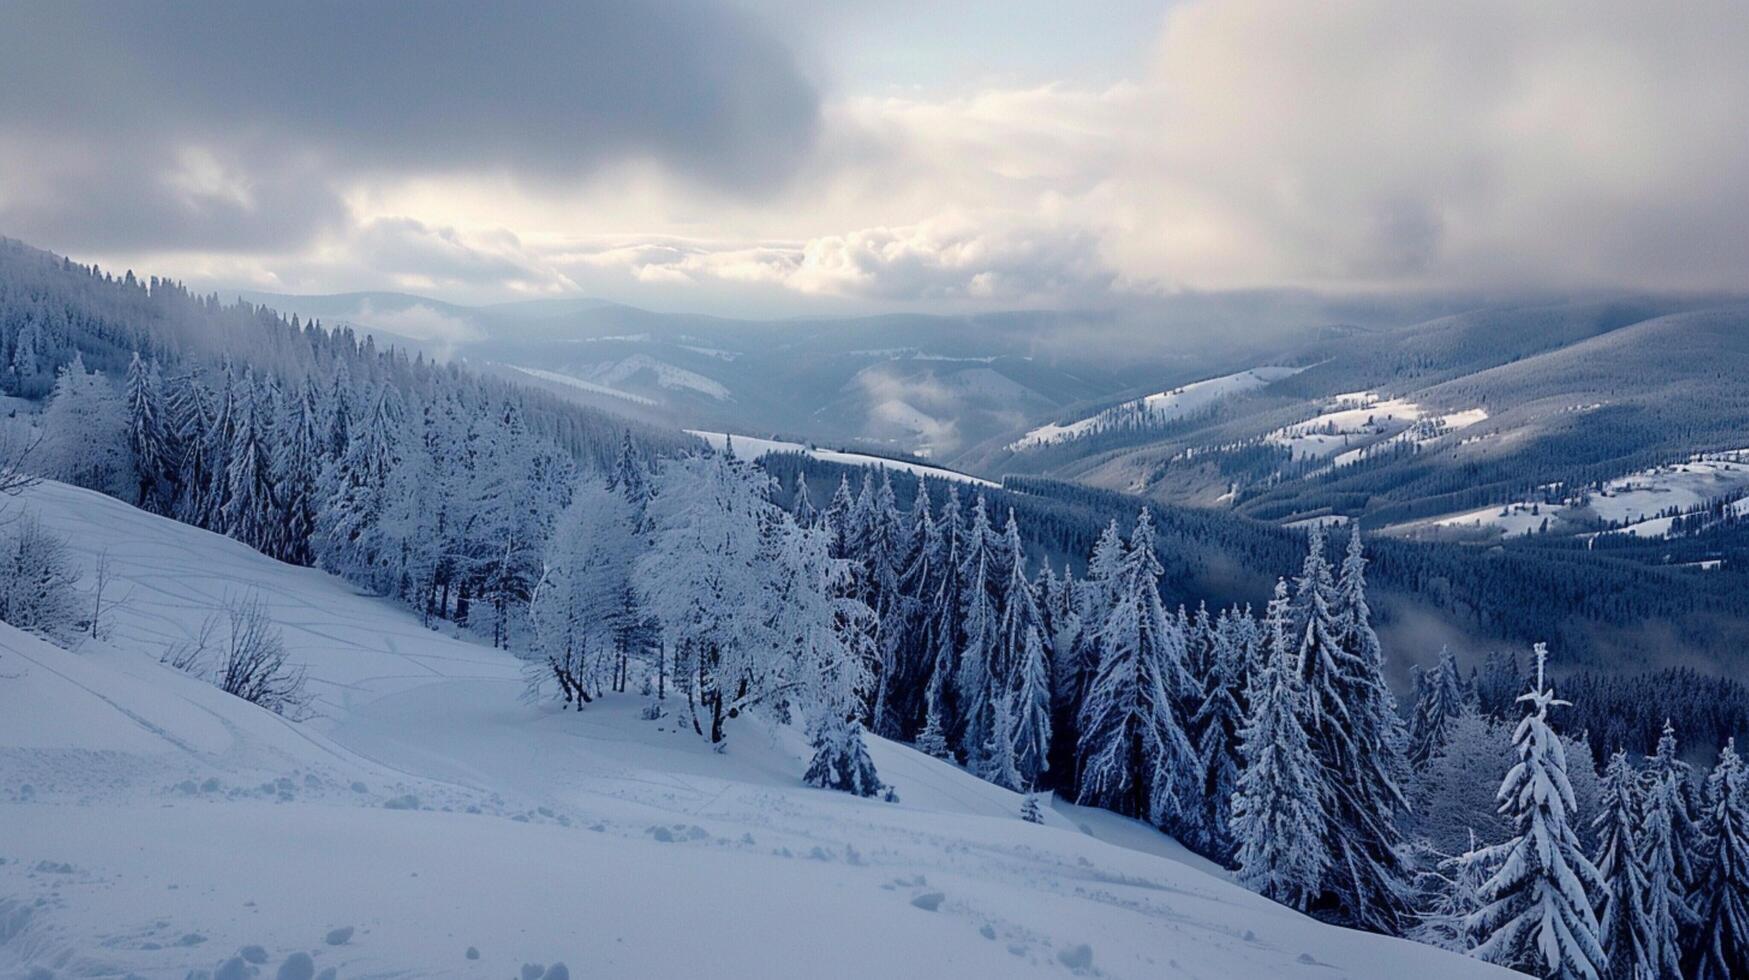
{"x": 544, "y": 92}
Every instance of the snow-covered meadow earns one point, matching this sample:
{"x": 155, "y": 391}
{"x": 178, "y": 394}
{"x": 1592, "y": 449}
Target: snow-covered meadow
{"x": 428, "y": 814}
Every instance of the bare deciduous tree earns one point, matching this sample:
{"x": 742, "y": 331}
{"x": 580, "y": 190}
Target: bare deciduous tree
{"x": 255, "y": 666}
{"x": 190, "y": 655}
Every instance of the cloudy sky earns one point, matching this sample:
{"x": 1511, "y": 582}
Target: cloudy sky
{"x": 780, "y": 156}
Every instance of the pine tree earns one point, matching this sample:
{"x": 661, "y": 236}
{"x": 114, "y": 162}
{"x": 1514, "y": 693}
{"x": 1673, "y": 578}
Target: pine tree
{"x": 1077, "y": 662}
{"x": 1278, "y": 805}
{"x": 149, "y": 440}
{"x": 297, "y": 470}
{"x": 841, "y": 759}
{"x": 1722, "y": 898}
{"x": 920, "y": 570}
{"x": 1030, "y": 711}
{"x": 1668, "y": 915}
{"x": 221, "y": 436}
{"x": 1217, "y": 724}
{"x": 1029, "y": 809}
{"x": 836, "y": 518}
{"x": 251, "y": 512}
{"x": 943, "y": 635}
{"x": 802, "y": 506}
{"x": 1441, "y": 699}
{"x": 1135, "y": 756}
{"x": 1537, "y": 915}
{"x": 1355, "y": 744}
{"x": 1666, "y": 766}
{"x": 980, "y": 628}
{"x": 1624, "y": 928}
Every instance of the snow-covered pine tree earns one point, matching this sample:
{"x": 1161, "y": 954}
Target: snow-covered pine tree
{"x": 1356, "y": 747}
{"x": 1666, "y": 766}
{"x": 1217, "y": 724}
{"x": 1721, "y": 951}
{"x": 943, "y": 634}
{"x": 339, "y": 410}
{"x": 1668, "y": 914}
{"x": 1135, "y": 756}
{"x": 1537, "y": 913}
{"x": 1029, "y": 711}
{"x": 297, "y": 471}
{"x": 997, "y": 756}
{"x": 802, "y": 504}
{"x": 150, "y": 443}
{"x": 1624, "y": 928}
{"x": 1374, "y": 794}
{"x": 354, "y": 487}
{"x": 1029, "y": 809}
{"x": 190, "y": 420}
{"x": 215, "y": 452}
{"x": 919, "y": 569}
{"x": 882, "y": 542}
{"x": 1441, "y": 699}
{"x": 821, "y": 635}
{"x": 1077, "y": 663}
{"x": 251, "y": 512}
{"x": 980, "y": 608}
{"x": 836, "y": 518}
{"x": 1278, "y": 807}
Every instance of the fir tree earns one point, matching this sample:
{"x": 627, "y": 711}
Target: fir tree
{"x": 1440, "y": 699}
{"x": 1537, "y": 912}
{"x": 1278, "y": 805}
{"x": 1722, "y": 898}
{"x": 1668, "y": 914}
{"x": 802, "y": 505}
{"x": 149, "y": 439}
{"x": 1217, "y": 724}
{"x": 1030, "y": 711}
{"x": 977, "y": 681}
{"x": 297, "y": 468}
{"x": 1355, "y": 744}
{"x": 1136, "y": 758}
{"x": 1624, "y": 928}
{"x": 251, "y": 512}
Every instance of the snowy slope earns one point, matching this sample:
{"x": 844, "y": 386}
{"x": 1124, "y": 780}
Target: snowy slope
{"x": 148, "y": 823}
{"x": 1160, "y": 407}
{"x": 752, "y": 448}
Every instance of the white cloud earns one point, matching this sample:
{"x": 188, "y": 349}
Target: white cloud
{"x": 1364, "y": 146}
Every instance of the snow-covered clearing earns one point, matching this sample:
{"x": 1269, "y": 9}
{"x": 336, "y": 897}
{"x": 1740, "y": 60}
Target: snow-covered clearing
{"x": 579, "y": 383}
{"x": 1630, "y": 504}
{"x": 1639, "y": 496}
{"x": 670, "y": 376}
{"x": 1364, "y": 422}
{"x": 750, "y": 447}
{"x": 1158, "y": 408}
{"x": 150, "y": 824}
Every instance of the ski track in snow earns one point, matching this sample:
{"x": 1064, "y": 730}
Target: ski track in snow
{"x": 151, "y": 824}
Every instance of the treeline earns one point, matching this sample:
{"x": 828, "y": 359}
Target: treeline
{"x": 422, "y": 481}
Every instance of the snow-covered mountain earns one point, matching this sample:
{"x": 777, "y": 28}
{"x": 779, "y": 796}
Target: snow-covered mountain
{"x": 428, "y": 821}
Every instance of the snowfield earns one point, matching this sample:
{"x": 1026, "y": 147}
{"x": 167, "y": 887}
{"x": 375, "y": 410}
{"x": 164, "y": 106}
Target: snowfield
{"x": 1161, "y": 407}
{"x": 1628, "y": 504}
{"x": 429, "y": 821}
{"x": 748, "y": 447}
{"x": 1360, "y": 423}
